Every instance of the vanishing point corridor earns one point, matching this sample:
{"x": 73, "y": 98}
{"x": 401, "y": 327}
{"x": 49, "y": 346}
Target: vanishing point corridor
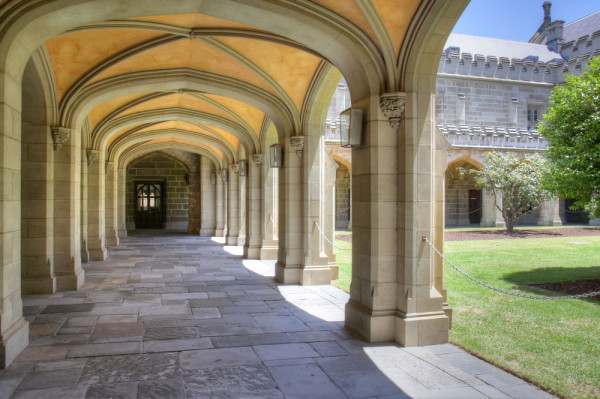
{"x": 182, "y": 316}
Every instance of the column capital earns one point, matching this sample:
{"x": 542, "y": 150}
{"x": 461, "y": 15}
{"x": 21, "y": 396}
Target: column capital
{"x": 392, "y": 105}
{"x": 235, "y": 167}
{"x": 109, "y": 166}
{"x": 297, "y": 144}
{"x": 60, "y": 135}
{"x": 257, "y": 159}
{"x": 92, "y": 156}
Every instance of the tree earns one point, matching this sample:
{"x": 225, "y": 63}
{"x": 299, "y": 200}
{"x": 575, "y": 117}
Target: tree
{"x": 520, "y": 183}
{"x": 572, "y": 128}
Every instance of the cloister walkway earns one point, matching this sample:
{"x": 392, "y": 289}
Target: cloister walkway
{"x": 182, "y": 316}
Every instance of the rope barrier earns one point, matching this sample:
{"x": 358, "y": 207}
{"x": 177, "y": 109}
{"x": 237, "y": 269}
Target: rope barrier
{"x": 327, "y": 239}
{"x": 569, "y": 211}
{"x": 342, "y": 210}
{"x": 500, "y": 290}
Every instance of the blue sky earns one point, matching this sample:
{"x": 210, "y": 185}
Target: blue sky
{"x": 517, "y": 19}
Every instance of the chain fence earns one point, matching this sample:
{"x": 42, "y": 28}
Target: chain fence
{"x": 327, "y": 239}
{"x": 502, "y": 291}
{"x": 464, "y": 213}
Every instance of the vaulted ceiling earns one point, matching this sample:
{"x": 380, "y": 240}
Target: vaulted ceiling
{"x": 118, "y": 69}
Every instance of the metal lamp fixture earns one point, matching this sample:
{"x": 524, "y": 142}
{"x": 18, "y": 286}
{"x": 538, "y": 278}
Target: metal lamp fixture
{"x": 350, "y": 125}
{"x": 275, "y": 152}
{"x": 224, "y": 175}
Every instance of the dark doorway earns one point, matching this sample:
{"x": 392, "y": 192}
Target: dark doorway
{"x": 474, "y": 206}
{"x": 149, "y": 205}
{"x": 574, "y": 216}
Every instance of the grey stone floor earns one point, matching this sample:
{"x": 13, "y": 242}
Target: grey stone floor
{"x": 185, "y": 317}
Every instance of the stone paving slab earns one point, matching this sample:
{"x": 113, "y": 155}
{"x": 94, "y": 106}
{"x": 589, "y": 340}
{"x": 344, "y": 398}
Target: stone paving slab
{"x": 182, "y": 316}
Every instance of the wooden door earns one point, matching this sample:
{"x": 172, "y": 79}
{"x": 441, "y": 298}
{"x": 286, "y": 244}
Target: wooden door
{"x": 149, "y": 205}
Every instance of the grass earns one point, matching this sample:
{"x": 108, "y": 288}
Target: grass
{"x": 554, "y": 344}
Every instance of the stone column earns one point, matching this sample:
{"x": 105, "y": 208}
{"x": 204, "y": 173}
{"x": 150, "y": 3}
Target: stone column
{"x": 290, "y": 257}
{"x": 329, "y": 212}
{"x": 110, "y": 205}
{"x": 490, "y": 214}
{"x": 85, "y": 255}
{"x": 219, "y": 205}
{"x": 315, "y": 268}
{"x": 96, "y": 198}
{"x": 550, "y": 213}
{"x": 270, "y": 214}
{"x": 14, "y": 330}
{"x": 122, "y": 202}
{"x": 208, "y": 220}
{"x": 253, "y": 208}
{"x": 242, "y": 207}
{"x": 37, "y": 194}
{"x": 233, "y": 218}
{"x": 393, "y": 295}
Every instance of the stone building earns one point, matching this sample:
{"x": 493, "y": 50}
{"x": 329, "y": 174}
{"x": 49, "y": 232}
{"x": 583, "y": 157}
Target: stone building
{"x": 106, "y": 104}
{"x": 490, "y": 95}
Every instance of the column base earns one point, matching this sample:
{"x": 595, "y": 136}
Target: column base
{"x": 268, "y": 253}
{"x": 122, "y": 233}
{"x": 287, "y": 274}
{"x": 315, "y": 275}
{"x": 99, "y": 254}
{"x": 419, "y": 329}
{"x": 251, "y": 252}
{"x": 219, "y": 232}
{"x": 38, "y": 285}
{"x": 70, "y": 282}
{"x": 335, "y": 271}
{"x": 549, "y": 223}
{"x": 369, "y": 325}
{"x": 112, "y": 241}
{"x": 241, "y": 240}
{"x": 207, "y": 233}
{"x": 13, "y": 341}
{"x": 448, "y": 312}
{"x": 232, "y": 241}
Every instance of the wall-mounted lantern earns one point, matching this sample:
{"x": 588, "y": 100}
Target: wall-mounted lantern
{"x": 224, "y": 175}
{"x": 275, "y": 153}
{"x": 243, "y": 167}
{"x": 350, "y": 125}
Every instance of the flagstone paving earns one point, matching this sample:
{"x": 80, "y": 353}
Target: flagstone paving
{"x": 180, "y": 316}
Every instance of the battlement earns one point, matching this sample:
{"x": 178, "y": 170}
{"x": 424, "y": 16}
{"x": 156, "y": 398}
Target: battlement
{"x": 493, "y": 137}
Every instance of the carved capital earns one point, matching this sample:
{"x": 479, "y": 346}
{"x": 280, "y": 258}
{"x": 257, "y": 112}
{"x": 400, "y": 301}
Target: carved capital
{"x": 297, "y": 144}
{"x": 109, "y": 166}
{"x": 60, "y": 135}
{"x": 392, "y": 106}
{"x": 257, "y": 159}
{"x": 235, "y": 167}
{"x": 92, "y": 156}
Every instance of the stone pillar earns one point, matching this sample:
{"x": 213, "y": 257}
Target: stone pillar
{"x": 85, "y": 255}
{"x": 110, "y": 205}
{"x": 37, "y": 194}
{"x": 253, "y": 208}
{"x": 270, "y": 214}
{"x": 290, "y": 256}
{"x": 329, "y": 211}
{"x": 219, "y": 205}
{"x": 242, "y": 207}
{"x": 393, "y": 295}
{"x": 315, "y": 268}
{"x": 96, "y": 198}
{"x": 122, "y": 202}
{"x": 550, "y": 213}
{"x": 490, "y": 214}
{"x": 14, "y": 330}
{"x": 208, "y": 220}
{"x": 233, "y": 218}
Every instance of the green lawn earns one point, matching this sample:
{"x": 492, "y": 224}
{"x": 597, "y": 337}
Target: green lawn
{"x": 555, "y": 344}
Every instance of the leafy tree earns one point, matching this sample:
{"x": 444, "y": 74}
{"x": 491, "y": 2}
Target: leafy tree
{"x": 572, "y": 128}
{"x": 520, "y": 183}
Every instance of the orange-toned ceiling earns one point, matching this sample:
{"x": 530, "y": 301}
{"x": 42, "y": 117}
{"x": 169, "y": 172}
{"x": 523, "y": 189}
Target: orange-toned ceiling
{"x": 396, "y": 16}
{"x": 106, "y": 108}
{"x": 183, "y": 141}
{"x": 193, "y": 21}
{"x": 74, "y": 54}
